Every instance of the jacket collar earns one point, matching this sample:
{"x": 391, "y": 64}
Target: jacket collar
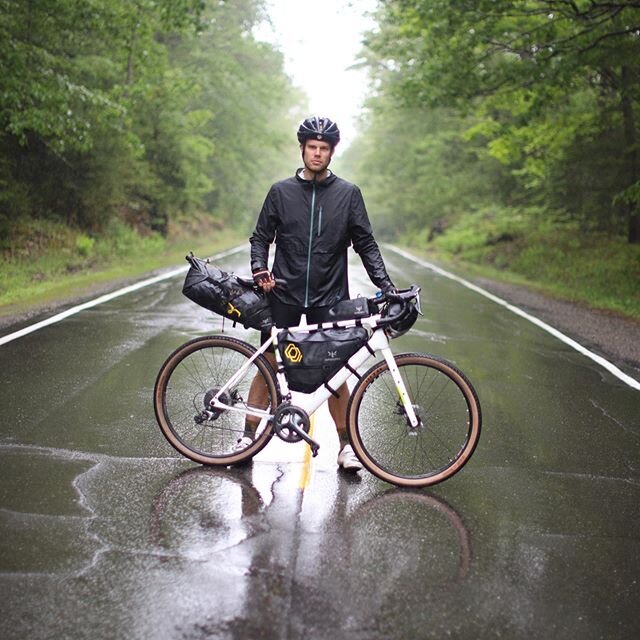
{"x": 323, "y": 183}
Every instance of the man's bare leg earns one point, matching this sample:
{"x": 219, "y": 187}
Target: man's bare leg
{"x": 338, "y": 411}
{"x": 258, "y": 397}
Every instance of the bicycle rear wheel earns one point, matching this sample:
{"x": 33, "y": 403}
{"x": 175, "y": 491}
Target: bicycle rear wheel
{"x": 449, "y": 416}
{"x": 188, "y": 381}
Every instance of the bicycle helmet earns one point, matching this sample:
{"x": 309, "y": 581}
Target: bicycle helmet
{"x": 406, "y": 318}
{"x": 318, "y": 128}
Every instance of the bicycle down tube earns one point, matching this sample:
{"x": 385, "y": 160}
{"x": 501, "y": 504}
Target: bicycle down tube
{"x": 309, "y": 402}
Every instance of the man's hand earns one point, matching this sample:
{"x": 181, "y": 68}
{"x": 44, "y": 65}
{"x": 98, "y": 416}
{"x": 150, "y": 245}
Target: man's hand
{"x": 265, "y": 280}
{"x": 388, "y": 287}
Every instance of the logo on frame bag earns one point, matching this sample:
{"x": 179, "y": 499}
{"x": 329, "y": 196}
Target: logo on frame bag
{"x": 293, "y": 353}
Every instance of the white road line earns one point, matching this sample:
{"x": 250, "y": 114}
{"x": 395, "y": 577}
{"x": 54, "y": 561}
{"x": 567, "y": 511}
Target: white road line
{"x": 611, "y": 368}
{"x": 105, "y": 298}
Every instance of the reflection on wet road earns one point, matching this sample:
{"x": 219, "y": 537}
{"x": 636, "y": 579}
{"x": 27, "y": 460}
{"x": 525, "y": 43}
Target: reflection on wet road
{"x": 105, "y": 532}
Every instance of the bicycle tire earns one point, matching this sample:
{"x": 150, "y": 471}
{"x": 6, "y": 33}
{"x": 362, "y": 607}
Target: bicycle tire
{"x": 185, "y": 384}
{"x": 450, "y": 421}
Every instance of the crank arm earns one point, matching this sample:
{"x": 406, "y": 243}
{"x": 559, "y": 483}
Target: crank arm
{"x": 305, "y": 436}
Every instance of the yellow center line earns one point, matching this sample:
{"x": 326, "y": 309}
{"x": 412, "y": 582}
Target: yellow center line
{"x": 305, "y": 476}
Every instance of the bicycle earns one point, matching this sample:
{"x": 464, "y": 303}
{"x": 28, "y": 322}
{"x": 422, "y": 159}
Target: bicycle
{"x": 413, "y": 419}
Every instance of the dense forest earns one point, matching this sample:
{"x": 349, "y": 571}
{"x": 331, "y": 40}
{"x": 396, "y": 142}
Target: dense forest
{"x": 521, "y": 111}
{"x": 497, "y": 132}
{"x": 135, "y": 113}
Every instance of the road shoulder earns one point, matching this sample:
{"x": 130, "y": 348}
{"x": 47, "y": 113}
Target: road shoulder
{"x": 615, "y": 337}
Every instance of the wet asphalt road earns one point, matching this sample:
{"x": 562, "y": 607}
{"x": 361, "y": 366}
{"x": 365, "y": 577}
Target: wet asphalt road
{"x": 105, "y": 532}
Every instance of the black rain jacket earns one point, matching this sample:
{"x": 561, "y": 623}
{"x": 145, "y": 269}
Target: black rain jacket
{"x": 313, "y": 224}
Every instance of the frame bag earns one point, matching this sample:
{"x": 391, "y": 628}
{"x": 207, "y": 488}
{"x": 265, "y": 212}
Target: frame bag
{"x": 226, "y": 294}
{"x": 351, "y": 309}
{"x": 311, "y": 359}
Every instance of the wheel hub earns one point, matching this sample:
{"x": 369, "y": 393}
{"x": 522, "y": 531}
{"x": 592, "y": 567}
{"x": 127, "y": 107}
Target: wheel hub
{"x": 209, "y": 412}
{"x": 400, "y": 410}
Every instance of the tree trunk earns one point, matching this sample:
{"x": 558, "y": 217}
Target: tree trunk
{"x": 630, "y": 152}
{"x": 132, "y": 44}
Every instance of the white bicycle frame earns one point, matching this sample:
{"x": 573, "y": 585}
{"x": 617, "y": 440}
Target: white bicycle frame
{"x": 311, "y": 402}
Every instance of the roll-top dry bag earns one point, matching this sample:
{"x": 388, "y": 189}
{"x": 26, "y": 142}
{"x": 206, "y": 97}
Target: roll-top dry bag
{"x": 226, "y": 294}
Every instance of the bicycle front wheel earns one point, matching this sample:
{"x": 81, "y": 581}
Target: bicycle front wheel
{"x": 448, "y": 411}
{"x": 188, "y": 382}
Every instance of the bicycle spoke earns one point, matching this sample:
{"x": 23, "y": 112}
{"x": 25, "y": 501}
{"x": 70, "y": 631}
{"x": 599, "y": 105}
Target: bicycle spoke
{"x": 187, "y": 384}
{"x": 389, "y": 445}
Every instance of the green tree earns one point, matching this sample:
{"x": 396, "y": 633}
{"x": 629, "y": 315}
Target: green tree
{"x": 418, "y": 170}
{"x": 146, "y": 110}
{"x": 543, "y": 79}
{"x": 242, "y": 85}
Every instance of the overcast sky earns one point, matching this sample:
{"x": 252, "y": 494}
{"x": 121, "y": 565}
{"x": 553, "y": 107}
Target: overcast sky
{"x": 320, "y": 40}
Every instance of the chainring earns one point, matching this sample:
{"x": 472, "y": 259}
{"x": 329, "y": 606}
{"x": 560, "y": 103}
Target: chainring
{"x": 285, "y": 417}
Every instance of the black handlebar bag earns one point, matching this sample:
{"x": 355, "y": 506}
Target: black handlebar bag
{"x": 311, "y": 359}
{"x": 226, "y": 294}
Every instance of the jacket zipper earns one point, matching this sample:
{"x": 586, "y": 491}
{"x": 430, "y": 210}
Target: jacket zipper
{"x": 319, "y": 221}
{"x": 313, "y": 206}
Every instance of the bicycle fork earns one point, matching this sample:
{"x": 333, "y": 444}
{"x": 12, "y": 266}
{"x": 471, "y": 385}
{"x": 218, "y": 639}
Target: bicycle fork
{"x": 409, "y": 410}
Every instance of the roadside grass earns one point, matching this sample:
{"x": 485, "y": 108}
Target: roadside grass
{"x": 52, "y": 263}
{"x": 47, "y": 263}
{"x": 559, "y": 260}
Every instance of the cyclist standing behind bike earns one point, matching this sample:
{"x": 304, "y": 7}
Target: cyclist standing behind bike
{"x": 313, "y": 217}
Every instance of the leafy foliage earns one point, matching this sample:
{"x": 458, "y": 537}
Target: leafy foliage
{"x": 138, "y": 110}
{"x": 519, "y": 103}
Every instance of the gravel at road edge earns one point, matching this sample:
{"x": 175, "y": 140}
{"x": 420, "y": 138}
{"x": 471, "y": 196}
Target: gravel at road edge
{"x": 614, "y": 337}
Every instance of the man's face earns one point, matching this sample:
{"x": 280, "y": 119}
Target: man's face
{"x": 316, "y": 155}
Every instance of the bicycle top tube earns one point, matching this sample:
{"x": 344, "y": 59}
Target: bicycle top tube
{"x": 371, "y": 322}
{"x": 374, "y": 321}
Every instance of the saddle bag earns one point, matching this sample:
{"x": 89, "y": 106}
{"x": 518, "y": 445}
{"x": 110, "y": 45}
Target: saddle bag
{"x": 311, "y": 359}
{"x": 226, "y": 294}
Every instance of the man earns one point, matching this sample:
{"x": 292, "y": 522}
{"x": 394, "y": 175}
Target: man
{"x": 314, "y": 217}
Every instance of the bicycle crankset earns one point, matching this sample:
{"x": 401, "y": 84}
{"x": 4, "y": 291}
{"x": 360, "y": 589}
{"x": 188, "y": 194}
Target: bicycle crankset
{"x": 292, "y": 424}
